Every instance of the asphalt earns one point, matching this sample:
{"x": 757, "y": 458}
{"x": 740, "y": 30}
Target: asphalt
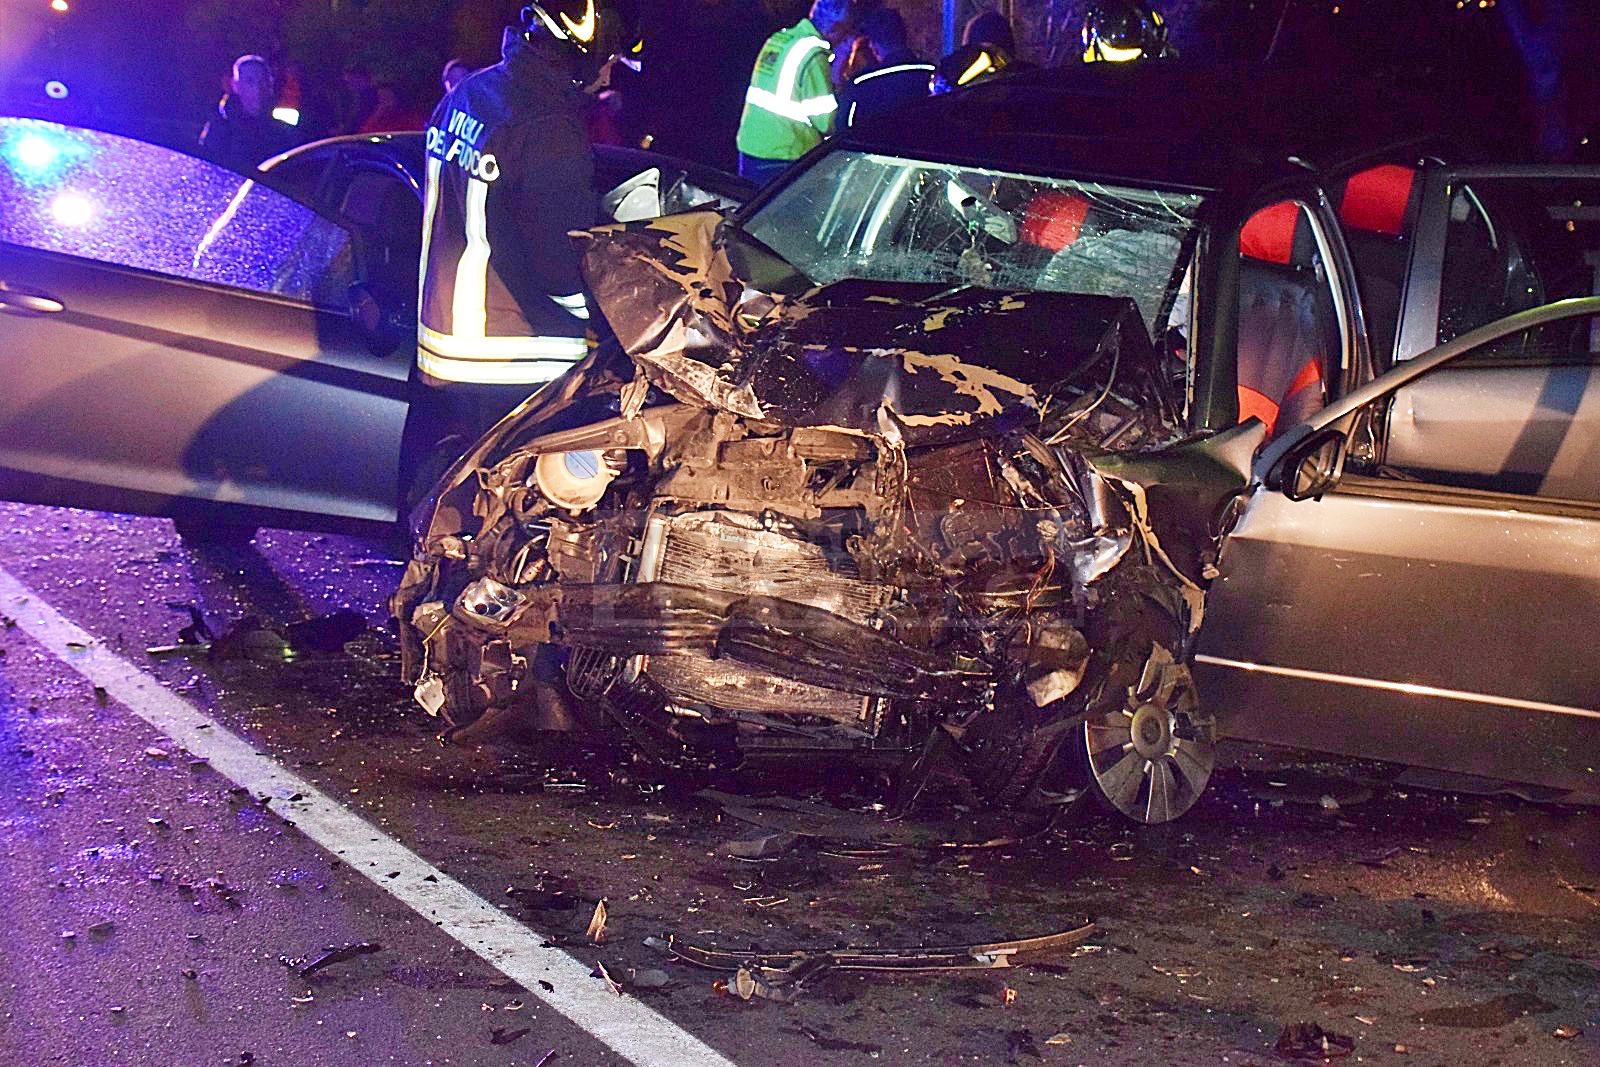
{"x": 1460, "y": 929}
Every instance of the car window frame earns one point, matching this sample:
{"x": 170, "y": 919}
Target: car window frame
{"x": 1421, "y": 297}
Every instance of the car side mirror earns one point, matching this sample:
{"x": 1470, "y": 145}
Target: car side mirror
{"x": 1309, "y": 467}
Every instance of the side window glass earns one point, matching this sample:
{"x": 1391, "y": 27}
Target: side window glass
{"x": 124, "y": 202}
{"x": 1288, "y": 330}
{"x": 1512, "y": 244}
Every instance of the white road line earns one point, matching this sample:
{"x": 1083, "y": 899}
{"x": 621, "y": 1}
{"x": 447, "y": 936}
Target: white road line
{"x": 623, "y": 1023}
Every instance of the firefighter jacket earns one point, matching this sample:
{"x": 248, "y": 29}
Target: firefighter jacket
{"x": 789, "y": 107}
{"x": 509, "y": 172}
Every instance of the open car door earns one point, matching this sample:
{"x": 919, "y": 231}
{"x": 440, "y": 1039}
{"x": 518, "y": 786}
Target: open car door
{"x": 178, "y": 339}
{"x": 1394, "y": 615}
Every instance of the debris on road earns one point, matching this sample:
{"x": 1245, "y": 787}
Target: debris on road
{"x": 325, "y": 633}
{"x": 157, "y": 753}
{"x": 501, "y": 1035}
{"x": 765, "y": 847}
{"x": 1567, "y": 1033}
{"x": 788, "y": 971}
{"x": 650, "y": 978}
{"x": 597, "y": 923}
{"x": 604, "y": 975}
{"x": 1308, "y": 1041}
{"x": 305, "y": 969}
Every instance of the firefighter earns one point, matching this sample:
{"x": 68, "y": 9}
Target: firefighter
{"x": 1118, "y": 31}
{"x": 509, "y": 174}
{"x": 789, "y": 107}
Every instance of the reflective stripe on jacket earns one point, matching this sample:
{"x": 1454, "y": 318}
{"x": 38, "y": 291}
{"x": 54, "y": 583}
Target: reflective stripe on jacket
{"x": 789, "y": 107}
{"x": 509, "y": 172}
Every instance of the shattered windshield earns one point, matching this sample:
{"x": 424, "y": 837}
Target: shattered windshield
{"x": 861, "y": 215}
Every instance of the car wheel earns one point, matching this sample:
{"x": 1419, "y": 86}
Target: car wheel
{"x": 205, "y": 531}
{"x": 1150, "y": 759}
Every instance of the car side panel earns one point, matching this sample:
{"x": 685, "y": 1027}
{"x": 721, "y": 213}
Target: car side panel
{"x": 1392, "y": 621}
{"x": 153, "y": 389}
{"x": 1532, "y": 429}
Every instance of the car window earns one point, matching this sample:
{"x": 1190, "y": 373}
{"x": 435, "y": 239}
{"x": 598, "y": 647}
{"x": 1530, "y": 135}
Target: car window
{"x": 1515, "y": 243}
{"x": 862, "y": 215}
{"x": 124, "y": 202}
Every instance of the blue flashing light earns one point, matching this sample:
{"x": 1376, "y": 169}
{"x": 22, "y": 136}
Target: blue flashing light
{"x": 33, "y": 153}
{"x": 37, "y": 153}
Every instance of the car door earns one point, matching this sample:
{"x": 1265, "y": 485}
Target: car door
{"x": 178, "y": 338}
{"x": 1402, "y": 616}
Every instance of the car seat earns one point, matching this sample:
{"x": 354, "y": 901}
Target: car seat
{"x": 1376, "y": 207}
{"x": 1285, "y": 321}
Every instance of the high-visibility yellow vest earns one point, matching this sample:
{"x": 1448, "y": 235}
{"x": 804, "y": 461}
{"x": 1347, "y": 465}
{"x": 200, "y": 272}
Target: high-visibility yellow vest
{"x": 789, "y": 107}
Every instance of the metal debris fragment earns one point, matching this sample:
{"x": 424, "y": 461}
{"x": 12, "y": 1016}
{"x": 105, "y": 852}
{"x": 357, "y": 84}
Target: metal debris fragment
{"x": 301, "y": 967}
{"x": 788, "y": 971}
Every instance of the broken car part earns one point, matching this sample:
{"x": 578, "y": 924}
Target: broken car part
{"x": 848, "y": 519}
{"x": 788, "y": 971}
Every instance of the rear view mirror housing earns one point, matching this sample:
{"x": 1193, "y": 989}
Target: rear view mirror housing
{"x": 1309, "y": 467}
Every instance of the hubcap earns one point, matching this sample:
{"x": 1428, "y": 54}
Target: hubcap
{"x": 1151, "y": 759}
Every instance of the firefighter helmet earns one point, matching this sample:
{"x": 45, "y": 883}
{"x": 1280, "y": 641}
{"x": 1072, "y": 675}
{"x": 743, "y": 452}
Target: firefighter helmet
{"x": 1116, "y": 31}
{"x": 596, "y": 30}
{"x": 970, "y": 63}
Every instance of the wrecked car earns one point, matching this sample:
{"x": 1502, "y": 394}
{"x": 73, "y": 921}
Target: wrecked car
{"x": 922, "y": 457}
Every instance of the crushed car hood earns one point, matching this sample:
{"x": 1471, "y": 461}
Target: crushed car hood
{"x": 912, "y": 362}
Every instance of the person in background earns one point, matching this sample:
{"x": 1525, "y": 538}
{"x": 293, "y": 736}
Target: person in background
{"x": 243, "y": 132}
{"x": 455, "y": 72}
{"x": 852, "y": 52}
{"x": 895, "y": 76}
{"x": 790, "y": 107}
{"x": 990, "y": 27}
{"x": 360, "y": 97}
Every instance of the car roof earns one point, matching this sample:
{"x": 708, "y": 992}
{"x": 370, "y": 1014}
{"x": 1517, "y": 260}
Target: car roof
{"x": 1164, "y": 122}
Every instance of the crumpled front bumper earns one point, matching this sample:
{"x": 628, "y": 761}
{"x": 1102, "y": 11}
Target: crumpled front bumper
{"x": 782, "y": 637}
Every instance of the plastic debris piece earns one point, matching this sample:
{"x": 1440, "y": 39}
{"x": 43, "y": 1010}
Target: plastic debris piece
{"x": 597, "y": 923}
{"x": 1567, "y": 1033}
{"x": 334, "y": 955}
{"x": 157, "y": 753}
{"x": 1308, "y": 1041}
{"x": 1008, "y": 995}
{"x": 1059, "y": 1039}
